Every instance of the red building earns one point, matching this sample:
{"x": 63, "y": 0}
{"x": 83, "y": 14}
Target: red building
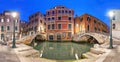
{"x": 89, "y": 23}
{"x": 59, "y": 23}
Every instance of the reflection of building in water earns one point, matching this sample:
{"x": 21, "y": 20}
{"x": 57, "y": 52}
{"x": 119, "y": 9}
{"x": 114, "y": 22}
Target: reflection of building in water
{"x": 6, "y": 26}
{"x": 116, "y": 24}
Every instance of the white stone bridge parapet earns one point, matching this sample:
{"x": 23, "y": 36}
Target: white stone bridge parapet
{"x": 29, "y": 38}
{"x": 100, "y": 37}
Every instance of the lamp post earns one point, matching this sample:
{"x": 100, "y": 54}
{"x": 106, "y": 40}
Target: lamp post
{"x": 14, "y": 14}
{"x": 111, "y": 14}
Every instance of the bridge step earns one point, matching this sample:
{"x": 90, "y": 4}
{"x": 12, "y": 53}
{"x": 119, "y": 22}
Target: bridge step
{"x": 26, "y": 51}
{"x": 97, "y": 51}
{"x": 90, "y": 55}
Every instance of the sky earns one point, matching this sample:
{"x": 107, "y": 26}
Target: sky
{"x": 97, "y": 8}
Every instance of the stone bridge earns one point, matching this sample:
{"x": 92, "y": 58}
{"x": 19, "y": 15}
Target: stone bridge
{"x": 100, "y": 37}
{"x": 28, "y": 39}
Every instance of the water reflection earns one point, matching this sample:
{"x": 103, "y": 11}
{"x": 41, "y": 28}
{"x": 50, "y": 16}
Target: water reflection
{"x": 62, "y": 50}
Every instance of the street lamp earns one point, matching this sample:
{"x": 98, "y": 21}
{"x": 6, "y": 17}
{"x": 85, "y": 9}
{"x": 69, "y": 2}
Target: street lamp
{"x": 14, "y": 14}
{"x": 111, "y": 14}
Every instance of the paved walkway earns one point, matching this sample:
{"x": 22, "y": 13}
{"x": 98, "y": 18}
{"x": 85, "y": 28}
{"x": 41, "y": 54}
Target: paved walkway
{"x": 7, "y": 55}
{"x": 114, "y": 55}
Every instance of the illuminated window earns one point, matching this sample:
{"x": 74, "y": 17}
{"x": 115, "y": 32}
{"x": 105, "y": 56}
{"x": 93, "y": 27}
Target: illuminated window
{"x": 8, "y": 20}
{"x": 2, "y": 20}
{"x": 16, "y": 21}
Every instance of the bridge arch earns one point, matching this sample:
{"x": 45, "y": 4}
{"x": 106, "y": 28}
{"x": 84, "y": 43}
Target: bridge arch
{"x": 101, "y": 38}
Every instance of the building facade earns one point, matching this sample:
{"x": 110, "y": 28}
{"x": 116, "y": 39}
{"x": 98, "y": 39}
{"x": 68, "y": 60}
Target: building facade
{"x": 116, "y": 24}
{"x": 36, "y": 23}
{"x": 89, "y": 23}
{"x": 23, "y": 27}
{"x": 6, "y": 26}
{"x": 59, "y": 23}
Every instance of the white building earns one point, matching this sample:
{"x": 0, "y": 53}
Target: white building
{"x": 116, "y": 24}
{"x": 6, "y": 26}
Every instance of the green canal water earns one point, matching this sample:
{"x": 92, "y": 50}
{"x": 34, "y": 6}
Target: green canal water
{"x": 62, "y": 50}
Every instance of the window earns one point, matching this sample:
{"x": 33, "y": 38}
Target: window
{"x": 53, "y": 12}
{"x": 2, "y": 36}
{"x": 59, "y": 11}
{"x": 8, "y": 20}
{"x": 69, "y": 12}
{"x": 98, "y": 29}
{"x": 66, "y": 11}
{"x": 48, "y": 27}
{"x": 113, "y": 17}
{"x": 16, "y": 21}
{"x": 63, "y": 34}
{"x": 40, "y": 21}
{"x": 48, "y": 13}
{"x": 50, "y": 37}
{"x": 16, "y": 28}
{"x": 48, "y": 19}
{"x": 8, "y": 28}
{"x": 95, "y": 29}
{"x": 59, "y": 26}
{"x": 62, "y": 11}
{"x": 53, "y": 25}
{"x": 88, "y": 28}
{"x": 81, "y": 19}
{"x": 59, "y": 18}
{"x": 69, "y": 26}
{"x": 45, "y": 24}
{"x": 88, "y": 19}
{"x": 2, "y": 20}
{"x": 69, "y": 34}
{"x": 2, "y": 28}
{"x": 58, "y": 36}
{"x": 69, "y": 18}
{"x": 113, "y": 26}
{"x": 94, "y": 21}
{"x": 53, "y": 18}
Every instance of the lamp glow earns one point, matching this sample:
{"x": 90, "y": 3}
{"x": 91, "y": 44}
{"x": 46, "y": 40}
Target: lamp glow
{"x": 14, "y": 14}
{"x": 111, "y": 13}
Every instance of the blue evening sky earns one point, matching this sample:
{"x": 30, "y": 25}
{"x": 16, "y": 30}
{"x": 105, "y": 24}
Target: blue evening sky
{"x": 97, "y": 8}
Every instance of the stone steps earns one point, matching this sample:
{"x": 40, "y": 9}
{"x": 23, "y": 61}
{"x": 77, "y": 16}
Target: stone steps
{"x": 26, "y": 51}
{"x": 90, "y": 55}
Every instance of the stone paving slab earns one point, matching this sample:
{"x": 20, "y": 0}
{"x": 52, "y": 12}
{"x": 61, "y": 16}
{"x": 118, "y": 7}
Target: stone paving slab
{"x": 7, "y": 55}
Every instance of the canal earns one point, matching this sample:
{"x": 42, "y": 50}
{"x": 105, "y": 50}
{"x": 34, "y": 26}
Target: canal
{"x": 62, "y": 50}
